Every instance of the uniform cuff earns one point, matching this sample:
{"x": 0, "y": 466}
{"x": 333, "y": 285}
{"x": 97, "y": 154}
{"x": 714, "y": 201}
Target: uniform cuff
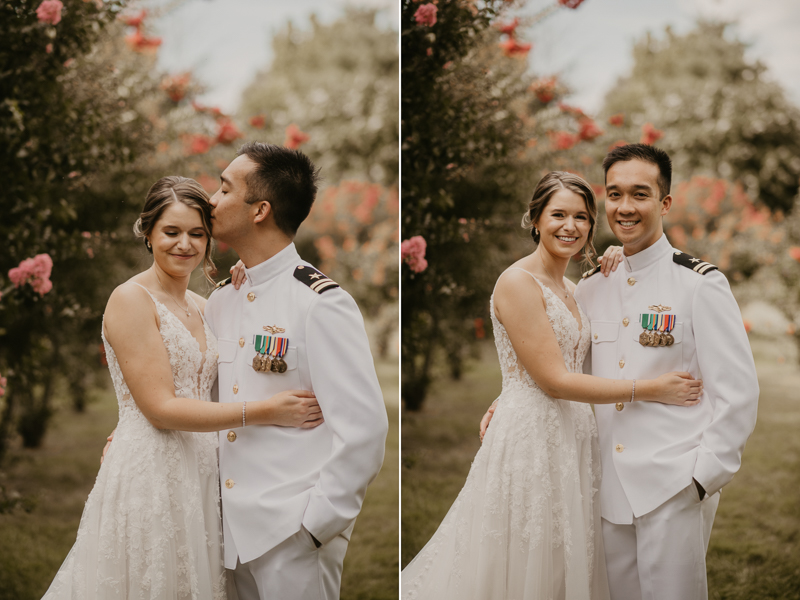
{"x": 321, "y": 518}
{"x": 709, "y": 472}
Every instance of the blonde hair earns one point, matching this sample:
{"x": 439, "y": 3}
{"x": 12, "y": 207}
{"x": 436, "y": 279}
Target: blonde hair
{"x": 167, "y": 191}
{"x": 546, "y": 188}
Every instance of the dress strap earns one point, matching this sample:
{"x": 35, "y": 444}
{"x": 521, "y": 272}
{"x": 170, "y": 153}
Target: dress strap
{"x": 197, "y": 308}
{"x": 146, "y": 290}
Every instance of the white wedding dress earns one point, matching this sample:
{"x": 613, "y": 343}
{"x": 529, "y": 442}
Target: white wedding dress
{"x": 526, "y": 525}
{"x": 151, "y": 526}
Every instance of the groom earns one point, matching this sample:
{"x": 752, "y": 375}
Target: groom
{"x": 290, "y": 496}
{"x": 663, "y": 466}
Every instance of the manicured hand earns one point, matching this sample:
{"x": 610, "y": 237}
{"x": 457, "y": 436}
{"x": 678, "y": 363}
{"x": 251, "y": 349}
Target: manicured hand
{"x": 237, "y": 275}
{"x": 486, "y": 419}
{"x": 110, "y": 438}
{"x": 610, "y": 259}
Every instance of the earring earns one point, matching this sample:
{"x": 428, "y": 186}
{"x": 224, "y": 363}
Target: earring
{"x": 535, "y": 231}
{"x": 147, "y": 244}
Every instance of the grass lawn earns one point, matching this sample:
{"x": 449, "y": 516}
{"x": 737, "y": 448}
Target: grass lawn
{"x": 59, "y": 476}
{"x": 754, "y": 552}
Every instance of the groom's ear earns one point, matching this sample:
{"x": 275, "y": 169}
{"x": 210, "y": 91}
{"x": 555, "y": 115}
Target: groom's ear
{"x": 666, "y": 204}
{"x": 263, "y": 212}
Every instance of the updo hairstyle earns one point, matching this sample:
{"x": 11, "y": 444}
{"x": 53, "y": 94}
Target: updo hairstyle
{"x": 167, "y": 191}
{"x": 546, "y": 188}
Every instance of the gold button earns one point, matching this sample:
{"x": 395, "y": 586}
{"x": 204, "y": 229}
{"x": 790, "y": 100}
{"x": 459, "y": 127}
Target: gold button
{"x": 631, "y": 280}
{"x": 229, "y": 482}
{"x": 620, "y": 406}
{"x": 618, "y": 447}
{"x": 231, "y": 436}
{"x": 625, "y": 322}
{"x": 235, "y": 389}
{"x": 595, "y": 336}
{"x": 251, "y": 296}
{"x": 241, "y": 342}
{"x": 621, "y": 362}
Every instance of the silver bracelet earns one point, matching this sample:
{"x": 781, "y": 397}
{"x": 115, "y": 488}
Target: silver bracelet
{"x": 633, "y": 390}
{"x": 244, "y": 423}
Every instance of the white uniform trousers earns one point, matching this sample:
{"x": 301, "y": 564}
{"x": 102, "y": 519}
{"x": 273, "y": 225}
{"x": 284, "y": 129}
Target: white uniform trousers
{"x": 662, "y": 555}
{"x": 295, "y": 569}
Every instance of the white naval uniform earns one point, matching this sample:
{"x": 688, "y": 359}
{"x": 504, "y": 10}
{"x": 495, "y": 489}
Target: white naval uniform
{"x": 655, "y": 527}
{"x": 280, "y": 483}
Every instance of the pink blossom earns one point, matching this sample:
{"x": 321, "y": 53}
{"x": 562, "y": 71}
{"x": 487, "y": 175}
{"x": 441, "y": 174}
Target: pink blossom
{"x": 86, "y": 234}
{"x": 133, "y": 20}
{"x": 563, "y": 140}
{"x": 512, "y": 48}
{"x": 3, "y": 384}
{"x": 49, "y": 48}
{"x": 295, "y": 137}
{"x": 794, "y": 252}
{"x": 588, "y": 129}
{"x": 650, "y": 135}
{"x": 139, "y": 42}
{"x": 258, "y": 121}
{"x": 617, "y": 120}
{"x": 509, "y": 28}
{"x": 175, "y": 86}
{"x": 544, "y": 89}
{"x": 197, "y": 143}
{"x": 35, "y": 271}
{"x": 412, "y": 252}
{"x": 227, "y": 132}
{"x": 426, "y": 15}
{"x": 49, "y": 11}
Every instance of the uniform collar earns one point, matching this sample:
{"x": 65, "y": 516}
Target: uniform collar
{"x": 271, "y": 267}
{"x": 648, "y": 256}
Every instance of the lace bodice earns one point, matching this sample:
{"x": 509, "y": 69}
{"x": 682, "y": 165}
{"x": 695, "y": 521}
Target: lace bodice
{"x": 573, "y": 339}
{"x": 193, "y": 371}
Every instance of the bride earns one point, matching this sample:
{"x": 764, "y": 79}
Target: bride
{"x": 526, "y": 526}
{"x": 151, "y": 526}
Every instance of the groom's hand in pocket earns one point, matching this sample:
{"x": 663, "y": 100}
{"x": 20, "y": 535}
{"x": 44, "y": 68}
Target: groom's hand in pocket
{"x": 110, "y": 438}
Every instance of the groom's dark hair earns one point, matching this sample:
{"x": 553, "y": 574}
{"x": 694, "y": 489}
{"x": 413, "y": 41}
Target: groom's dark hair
{"x": 645, "y": 153}
{"x": 285, "y": 178}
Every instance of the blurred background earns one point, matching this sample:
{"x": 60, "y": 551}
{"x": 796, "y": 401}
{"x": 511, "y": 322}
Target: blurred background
{"x": 98, "y": 100}
{"x": 494, "y": 95}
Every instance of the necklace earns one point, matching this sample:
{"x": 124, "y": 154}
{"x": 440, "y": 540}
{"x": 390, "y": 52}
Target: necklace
{"x": 186, "y": 310}
{"x": 566, "y": 295}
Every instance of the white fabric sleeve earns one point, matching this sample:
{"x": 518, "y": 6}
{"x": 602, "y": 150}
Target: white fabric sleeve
{"x": 344, "y": 381}
{"x": 729, "y": 381}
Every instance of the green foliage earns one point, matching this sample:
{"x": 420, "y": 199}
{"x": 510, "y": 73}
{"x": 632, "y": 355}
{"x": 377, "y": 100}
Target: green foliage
{"x": 339, "y": 84}
{"x": 721, "y": 113}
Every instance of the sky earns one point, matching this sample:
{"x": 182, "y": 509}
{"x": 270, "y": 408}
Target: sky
{"x": 226, "y": 42}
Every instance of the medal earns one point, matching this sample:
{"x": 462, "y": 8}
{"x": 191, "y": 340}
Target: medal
{"x": 270, "y": 351}
{"x": 656, "y": 329}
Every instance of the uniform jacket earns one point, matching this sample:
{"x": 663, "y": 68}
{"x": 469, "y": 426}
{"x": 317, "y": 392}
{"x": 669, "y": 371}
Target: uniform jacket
{"x": 651, "y": 451}
{"x": 275, "y": 479}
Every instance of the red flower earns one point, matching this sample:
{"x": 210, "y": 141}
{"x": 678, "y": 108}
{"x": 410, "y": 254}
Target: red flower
{"x": 227, "y": 132}
{"x": 426, "y": 15}
{"x": 141, "y": 43}
{"x": 480, "y": 332}
{"x": 563, "y": 140}
{"x": 258, "y": 121}
{"x": 617, "y": 120}
{"x": 175, "y": 86}
{"x": 617, "y": 144}
{"x": 34, "y": 271}
{"x": 588, "y": 129}
{"x": 133, "y": 20}
{"x": 544, "y": 89}
{"x": 508, "y": 28}
{"x": 572, "y": 110}
{"x": 49, "y": 11}
{"x": 209, "y": 183}
{"x": 295, "y": 137}
{"x": 650, "y": 134}
{"x": 570, "y": 3}
{"x": 412, "y": 252}
{"x": 794, "y": 252}
{"x": 197, "y": 143}
{"x": 49, "y": 48}
{"x": 511, "y": 47}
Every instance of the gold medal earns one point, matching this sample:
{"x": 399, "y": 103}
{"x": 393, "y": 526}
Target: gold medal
{"x": 266, "y": 363}
{"x": 282, "y": 365}
{"x": 644, "y": 338}
{"x": 670, "y": 339}
{"x": 257, "y": 362}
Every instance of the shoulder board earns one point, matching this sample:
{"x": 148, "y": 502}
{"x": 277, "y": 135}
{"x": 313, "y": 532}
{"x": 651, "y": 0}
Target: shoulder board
{"x": 314, "y": 279}
{"x": 590, "y": 273}
{"x": 690, "y": 262}
{"x": 222, "y": 283}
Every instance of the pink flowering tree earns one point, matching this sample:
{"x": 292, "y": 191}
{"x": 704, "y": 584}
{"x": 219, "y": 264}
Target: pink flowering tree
{"x": 471, "y": 115}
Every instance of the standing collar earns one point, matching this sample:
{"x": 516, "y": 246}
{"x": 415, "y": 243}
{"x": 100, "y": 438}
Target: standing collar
{"x": 273, "y": 266}
{"x": 648, "y": 256}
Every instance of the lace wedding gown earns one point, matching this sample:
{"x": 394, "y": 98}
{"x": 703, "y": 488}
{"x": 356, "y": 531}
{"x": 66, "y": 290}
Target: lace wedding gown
{"x": 525, "y": 526}
{"x": 151, "y": 526}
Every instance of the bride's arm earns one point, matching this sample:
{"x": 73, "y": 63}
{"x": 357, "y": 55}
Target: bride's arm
{"x": 519, "y": 305}
{"x": 131, "y": 326}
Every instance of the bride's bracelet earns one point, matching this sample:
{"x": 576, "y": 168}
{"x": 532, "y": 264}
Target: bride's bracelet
{"x": 244, "y": 423}
{"x": 633, "y": 390}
